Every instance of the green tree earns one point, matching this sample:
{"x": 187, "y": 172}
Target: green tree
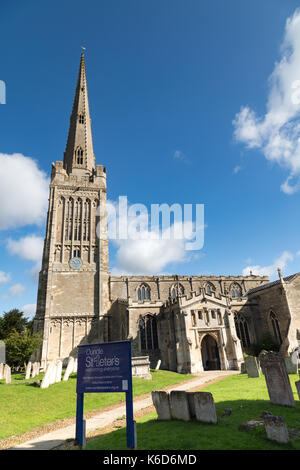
{"x": 12, "y": 321}
{"x": 20, "y": 346}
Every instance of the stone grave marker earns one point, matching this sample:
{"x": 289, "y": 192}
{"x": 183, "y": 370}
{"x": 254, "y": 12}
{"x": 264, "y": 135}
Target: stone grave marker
{"x": 291, "y": 365}
{"x": 2, "y": 352}
{"x": 7, "y": 374}
{"x": 28, "y": 370}
{"x": 161, "y": 402}
{"x": 179, "y": 405}
{"x": 1, "y": 371}
{"x": 158, "y": 364}
{"x": 276, "y": 429}
{"x": 277, "y": 379}
{"x": 252, "y": 366}
{"x": 47, "y": 376}
{"x": 69, "y": 368}
{"x": 58, "y": 371}
{"x": 205, "y": 410}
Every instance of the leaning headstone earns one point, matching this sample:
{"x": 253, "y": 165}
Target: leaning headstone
{"x": 7, "y": 374}
{"x": 28, "y": 370}
{"x": 161, "y": 402}
{"x": 58, "y": 371}
{"x": 291, "y": 365}
{"x": 298, "y": 388}
{"x": 276, "y": 429}
{"x": 53, "y": 374}
{"x": 75, "y": 365}
{"x": 179, "y": 405}
{"x": 47, "y": 376}
{"x": 205, "y": 410}
{"x": 158, "y": 364}
{"x": 69, "y": 368}
{"x": 2, "y": 352}
{"x": 35, "y": 370}
{"x": 252, "y": 366}
{"x": 1, "y": 371}
{"x": 277, "y": 379}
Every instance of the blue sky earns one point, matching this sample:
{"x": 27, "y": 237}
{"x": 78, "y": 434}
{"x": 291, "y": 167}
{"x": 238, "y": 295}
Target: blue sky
{"x": 165, "y": 79}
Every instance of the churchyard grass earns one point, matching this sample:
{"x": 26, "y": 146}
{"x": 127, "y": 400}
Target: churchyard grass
{"x": 25, "y": 406}
{"x": 247, "y": 397}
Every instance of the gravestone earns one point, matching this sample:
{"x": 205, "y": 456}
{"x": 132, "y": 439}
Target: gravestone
{"x": 7, "y": 374}
{"x": 75, "y": 365}
{"x": 1, "y": 371}
{"x": 2, "y": 352}
{"x": 298, "y": 388}
{"x": 53, "y": 374}
{"x": 36, "y": 369}
{"x": 141, "y": 367}
{"x": 58, "y": 371}
{"x": 28, "y": 370}
{"x": 276, "y": 429}
{"x": 179, "y": 405}
{"x": 69, "y": 369}
{"x": 161, "y": 402}
{"x": 158, "y": 364}
{"x": 252, "y": 366}
{"x": 277, "y": 379}
{"x": 205, "y": 410}
{"x": 48, "y": 374}
{"x": 291, "y": 365}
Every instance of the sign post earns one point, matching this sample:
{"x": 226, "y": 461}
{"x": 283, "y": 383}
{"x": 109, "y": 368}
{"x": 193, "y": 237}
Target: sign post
{"x": 105, "y": 368}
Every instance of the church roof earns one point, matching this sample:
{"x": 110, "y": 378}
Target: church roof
{"x": 270, "y": 284}
{"x": 79, "y": 150}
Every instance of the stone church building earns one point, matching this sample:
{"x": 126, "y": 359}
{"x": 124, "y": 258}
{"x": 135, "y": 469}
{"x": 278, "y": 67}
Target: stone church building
{"x": 190, "y": 323}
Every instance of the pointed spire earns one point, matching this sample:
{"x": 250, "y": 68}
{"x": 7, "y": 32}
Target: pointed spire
{"x": 79, "y": 150}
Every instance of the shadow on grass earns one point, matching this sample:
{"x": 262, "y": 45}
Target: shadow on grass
{"x": 193, "y": 435}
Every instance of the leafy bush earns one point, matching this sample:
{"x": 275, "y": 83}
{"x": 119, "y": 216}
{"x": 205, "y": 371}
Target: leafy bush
{"x": 266, "y": 343}
{"x": 20, "y": 346}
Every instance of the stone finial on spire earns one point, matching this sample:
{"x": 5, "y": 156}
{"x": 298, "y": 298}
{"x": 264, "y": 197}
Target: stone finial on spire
{"x": 280, "y": 275}
{"x": 79, "y": 152}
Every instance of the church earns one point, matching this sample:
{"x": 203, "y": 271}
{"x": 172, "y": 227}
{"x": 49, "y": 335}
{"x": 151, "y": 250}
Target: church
{"x": 188, "y": 323}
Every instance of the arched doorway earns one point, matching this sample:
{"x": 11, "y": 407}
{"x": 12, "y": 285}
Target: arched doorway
{"x": 210, "y": 353}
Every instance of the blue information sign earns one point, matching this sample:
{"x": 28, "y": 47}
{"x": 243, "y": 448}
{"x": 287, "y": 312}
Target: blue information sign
{"x": 103, "y": 368}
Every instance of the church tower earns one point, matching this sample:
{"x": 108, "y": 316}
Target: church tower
{"x": 73, "y": 298}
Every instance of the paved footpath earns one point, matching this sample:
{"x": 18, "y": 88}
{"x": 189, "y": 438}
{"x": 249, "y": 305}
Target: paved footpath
{"x": 55, "y": 438}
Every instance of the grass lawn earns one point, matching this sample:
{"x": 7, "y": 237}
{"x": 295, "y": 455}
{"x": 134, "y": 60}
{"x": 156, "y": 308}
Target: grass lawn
{"x": 247, "y": 398}
{"x": 25, "y": 406}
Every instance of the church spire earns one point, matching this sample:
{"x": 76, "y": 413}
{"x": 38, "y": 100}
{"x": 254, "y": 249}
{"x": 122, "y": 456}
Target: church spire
{"x": 79, "y": 150}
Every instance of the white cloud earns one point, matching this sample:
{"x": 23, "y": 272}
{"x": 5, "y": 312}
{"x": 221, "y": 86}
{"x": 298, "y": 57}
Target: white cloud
{"x": 147, "y": 250}
{"x": 29, "y": 248}
{"x": 277, "y": 133}
{"x": 237, "y": 169}
{"x": 271, "y": 270}
{"x": 179, "y": 155}
{"x": 23, "y": 191}
{"x": 4, "y": 277}
{"x": 16, "y": 290}
{"x": 29, "y": 310}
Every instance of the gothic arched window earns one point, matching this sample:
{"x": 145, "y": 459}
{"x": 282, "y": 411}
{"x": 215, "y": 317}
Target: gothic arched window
{"x": 81, "y": 118}
{"x": 242, "y": 330}
{"x": 176, "y": 290}
{"x": 236, "y": 291}
{"x": 79, "y": 156}
{"x": 275, "y": 326}
{"x": 209, "y": 288}
{"x": 143, "y": 292}
{"x": 148, "y": 332}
